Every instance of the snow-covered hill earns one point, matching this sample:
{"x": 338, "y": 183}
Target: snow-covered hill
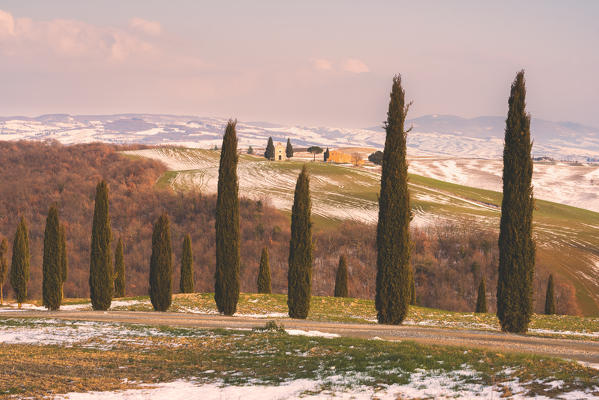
{"x": 438, "y": 135}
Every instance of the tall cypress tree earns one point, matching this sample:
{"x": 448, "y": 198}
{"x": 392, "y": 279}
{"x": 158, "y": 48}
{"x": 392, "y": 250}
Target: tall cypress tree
{"x": 64, "y": 259}
{"x": 264, "y": 285}
{"x": 101, "y": 278}
{"x": 119, "y": 270}
{"x": 326, "y": 155}
{"x": 549, "y": 297}
{"x": 226, "y": 288}
{"x": 481, "y": 299}
{"x": 289, "y": 149}
{"x": 341, "y": 278}
{"x": 51, "y": 266}
{"x": 19, "y": 267}
{"x": 161, "y": 266}
{"x": 299, "y": 276}
{"x": 516, "y": 245}
{"x": 392, "y": 239}
{"x": 186, "y": 281}
{"x": 269, "y": 154}
{"x": 3, "y": 267}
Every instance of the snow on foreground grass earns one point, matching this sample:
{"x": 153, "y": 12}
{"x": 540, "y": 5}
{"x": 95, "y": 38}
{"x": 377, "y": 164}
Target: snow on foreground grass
{"x": 138, "y": 362}
{"x": 422, "y": 385}
{"x": 70, "y": 333}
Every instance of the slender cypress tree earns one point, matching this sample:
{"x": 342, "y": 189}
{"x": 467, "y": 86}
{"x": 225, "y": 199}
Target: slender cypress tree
{"x": 19, "y": 267}
{"x": 264, "y": 273}
{"x": 269, "y": 154}
{"x": 393, "y": 240}
{"x": 51, "y": 266}
{"x": 161, "y": 266}
{"x": 101, "y": 277}
{"x": 119, "y": 270}
{"x": 516, "y": 245}
{"x": 289, "y": 149}
{"x": 3, "y": 267}
{"x": 64, "y": 260}
{"x": 299, "y": 277}
{"x": 326, "y": 155}
{"x": 226, "y": 288}
{"x": 341, "y": 278}
{"x": 481, "y": 300}
{"x": 186, "y": 281}
{"x": 549, "y": 297}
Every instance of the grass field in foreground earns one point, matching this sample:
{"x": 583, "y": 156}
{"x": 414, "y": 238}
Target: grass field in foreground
{"x": 52, "y": 357}
{"x": 274, "y": 306}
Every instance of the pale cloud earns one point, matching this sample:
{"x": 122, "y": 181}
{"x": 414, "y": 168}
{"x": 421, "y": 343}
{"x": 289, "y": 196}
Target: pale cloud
{"x": 72, "y": 38}
{"x": 152, "y": 28}
{"x": 322, "y": 64}
{"x": 355, "y": 66}
{"x": 7, "y": 24}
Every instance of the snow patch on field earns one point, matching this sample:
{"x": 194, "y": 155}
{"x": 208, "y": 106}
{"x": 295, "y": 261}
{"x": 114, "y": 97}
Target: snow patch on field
{"x": 422, "y": 384}
{"x": 300, "y": 332}
{"x": 265, "y": 315}
{"x": 68, "y": 333}
{"x": 13, "y": 307}
{"x": 566, "y": 333}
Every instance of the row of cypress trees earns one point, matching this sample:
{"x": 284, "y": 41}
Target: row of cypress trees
{"x": 516, "y": 245}
{"x": 104, "y": 282}
{"x": 54, "y": 264}
{"x": 395, "y": 278}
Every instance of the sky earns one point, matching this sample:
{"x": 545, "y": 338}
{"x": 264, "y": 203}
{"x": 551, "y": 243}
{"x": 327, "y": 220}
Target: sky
{"x": 306, "y": 63}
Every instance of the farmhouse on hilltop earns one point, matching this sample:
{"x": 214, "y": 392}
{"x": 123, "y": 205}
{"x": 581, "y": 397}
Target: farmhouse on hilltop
{"x": 280, "y": 154}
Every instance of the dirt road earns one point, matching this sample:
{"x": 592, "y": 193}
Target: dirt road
{"x": 579, "y": 350}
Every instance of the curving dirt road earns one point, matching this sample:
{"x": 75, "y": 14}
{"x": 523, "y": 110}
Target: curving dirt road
{"x": 579, "y": 350}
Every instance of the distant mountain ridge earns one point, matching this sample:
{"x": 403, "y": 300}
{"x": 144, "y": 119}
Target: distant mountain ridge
{"x": 439, "y": 135}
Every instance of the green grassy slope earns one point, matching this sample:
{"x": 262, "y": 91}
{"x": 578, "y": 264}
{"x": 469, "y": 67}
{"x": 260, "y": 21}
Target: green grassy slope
{"x": 567, "y": 237}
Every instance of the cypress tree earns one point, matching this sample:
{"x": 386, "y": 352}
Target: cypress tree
{"x": 3, "y": 267}
{"x": 119, "y": 270}
{"x": 516, "y": 245}
{"x": 161, "y": 266}
{"x": 51, "y": 265}
{"x": 186, "y": 282}
{"x": 481, "y": 300}
{"x": 101, "y": 277}
{"x": 327, "y": 154}
{"x": 269, "y": 154}
{"x": 392, "y": 239}
{"x": 341, "y": 278}
{"x": 264, "y": 273}
{"x": 19, "y": 267}
{"x": 299, "y": 278}
{"x": 549, "y": 297}
{"x": 226, "y": 288}
{"x": 64, "y": 259}
{"x": 289, "y": 149}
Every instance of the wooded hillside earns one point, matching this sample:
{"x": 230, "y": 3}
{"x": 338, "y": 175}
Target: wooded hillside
{"x": 448, "y": 261}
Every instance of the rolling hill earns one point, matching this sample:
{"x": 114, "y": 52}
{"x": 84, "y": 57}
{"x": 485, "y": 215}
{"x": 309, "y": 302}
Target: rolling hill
{"x": 567, "y": 237}
{"x": 437, "y": 135}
